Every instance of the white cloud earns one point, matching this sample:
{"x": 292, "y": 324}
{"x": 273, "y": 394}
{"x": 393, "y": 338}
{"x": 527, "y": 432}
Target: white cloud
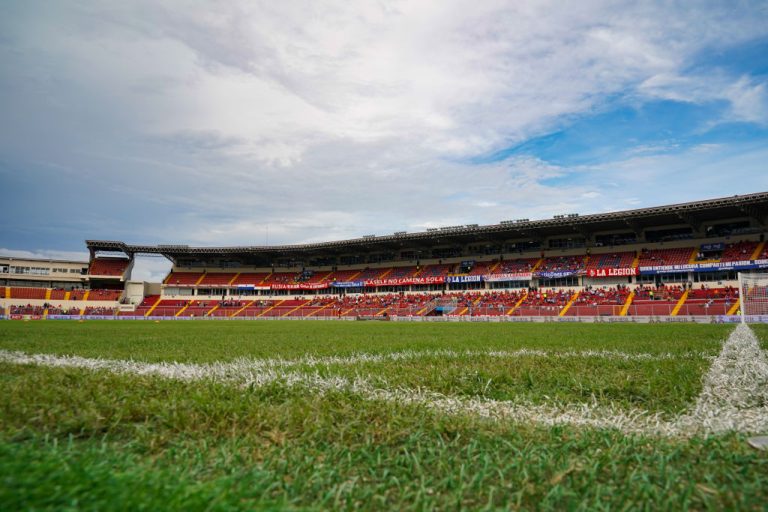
{"x": 150, "y": 269}
{"x": 207, "y": 122}
{"x": 45, "y": 254}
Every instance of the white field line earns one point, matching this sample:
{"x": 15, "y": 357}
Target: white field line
{"x": 409, "y": 355}
{"x": 734, "y": 395}
{"x": 404, "y": 355}
{"x": 245, "y": 374}
{"x": 735, "y": 392}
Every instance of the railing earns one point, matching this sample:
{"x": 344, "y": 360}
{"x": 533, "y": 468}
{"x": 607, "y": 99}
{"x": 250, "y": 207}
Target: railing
{"x": 655, "y": 309}
{"x": 658, "y": 308}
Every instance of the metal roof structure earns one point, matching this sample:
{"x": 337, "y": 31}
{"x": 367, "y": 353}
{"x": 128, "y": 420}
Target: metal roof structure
{"x": 694, "y": 214}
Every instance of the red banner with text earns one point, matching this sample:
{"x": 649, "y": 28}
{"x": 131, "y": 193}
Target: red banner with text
{"x": 613, "y": 272}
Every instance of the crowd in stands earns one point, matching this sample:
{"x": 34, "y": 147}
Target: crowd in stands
{"x": 660, "y": 292}
{"x": 99, "y": 311}
{"x": 603, "y": 295}
{"x": 562, "y": 264}
{"x": 591, "y": 300}
{"x": 58, "y": 310}
{"x": 26, "y": 310}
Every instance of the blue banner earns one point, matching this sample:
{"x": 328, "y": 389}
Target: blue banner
{"x": 706, "y": 267}
{"x": 558, "y": 274}
{"x": 712, "y": 247}
{"x": 463, "y": 279}
{"x": 347, "y": 284}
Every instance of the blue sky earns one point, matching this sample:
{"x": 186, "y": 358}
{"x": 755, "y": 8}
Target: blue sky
{"x": 214, "y": 123}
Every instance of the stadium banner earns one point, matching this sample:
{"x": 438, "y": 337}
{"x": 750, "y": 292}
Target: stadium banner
{"x": 463, "y": 279}
{"x": 25, "y": 317}
{"x": 348, "y": 284}
{"x": 299, "y": 286}
{"x": 512, "y": 276}
{"x": 403, "y": 281}
{"x": 557, "y": 274}
{"x": 251, "y": 287}
{"x": 613, "y": 272}
{"x": 706, "y": 267}
{"x": 712, "y": 247}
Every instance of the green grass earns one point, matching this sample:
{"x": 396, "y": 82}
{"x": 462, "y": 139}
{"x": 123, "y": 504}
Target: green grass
{"x": 761, "y": 330}
{"x": 92, "y": 440}
{"x": 203, "y": 341}
{"x": 666, "y": 386}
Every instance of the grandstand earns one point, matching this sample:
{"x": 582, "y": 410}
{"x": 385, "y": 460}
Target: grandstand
{"x": 672, "y": 261}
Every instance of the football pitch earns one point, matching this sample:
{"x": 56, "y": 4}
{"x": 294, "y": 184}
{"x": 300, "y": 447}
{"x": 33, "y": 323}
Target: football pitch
{"x": 193, "y": 415}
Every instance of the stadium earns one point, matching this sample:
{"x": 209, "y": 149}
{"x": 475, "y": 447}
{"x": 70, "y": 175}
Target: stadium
{"x": 462, "y": 376}
{"x": 668, "y": 263}
{"x": 386, "y": 256}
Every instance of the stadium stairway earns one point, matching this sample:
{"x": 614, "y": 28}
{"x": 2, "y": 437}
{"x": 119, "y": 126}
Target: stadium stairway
{"x": 627, "y": 303}
{"x": 570, "y": 303}
{"x": 680, "y": 303}
{"x": 514, "y": 308}
{"x": 758, "y": 251}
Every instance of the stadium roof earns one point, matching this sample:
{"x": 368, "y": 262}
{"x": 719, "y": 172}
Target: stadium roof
{"x": 694, "y": 214}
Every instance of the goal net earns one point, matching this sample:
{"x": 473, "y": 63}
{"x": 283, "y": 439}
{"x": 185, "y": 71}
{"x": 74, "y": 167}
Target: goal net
{"x": 753, "y": 297}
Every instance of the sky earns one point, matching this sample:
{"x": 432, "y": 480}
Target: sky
{"x": 244, "y": 122}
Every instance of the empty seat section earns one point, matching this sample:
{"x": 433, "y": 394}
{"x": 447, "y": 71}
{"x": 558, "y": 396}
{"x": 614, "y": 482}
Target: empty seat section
{"x": 516, "y": 266}
{"x": 98, "y": 294}
{"x": 183, "y": 278}
{"x": 372, "y": 273}
{"x": 281, "y": 278}
{"x": 77, "y": 294}
{"x": 142, "y": 308}
{"x": 562, "y": 264}
{"x": 402, "y": 272}
{"x": 739, "y": 251}
{"x": 27, "y": 293}
{"x": 644, "y": 307}
{"x": 657, "y": 257}
{"x": 611, "y": 260}
{"x": 318, "y": 277}
{"x": 344, "y": 275}
{"x": 482, "y": 268}
{"x": 435, "y": 270}
{"x": 224, "y": 308}
{"x": 282, "y": 307}
{"x": 250, "y": 278}
{"x": 217, "y": 278}
{"x": 58, "y": 294}
{"x": 254, "y": 308}
{"x": 108, "y": 266}
{"x": 198, "y": 308}
{"x": 169, "y": 307}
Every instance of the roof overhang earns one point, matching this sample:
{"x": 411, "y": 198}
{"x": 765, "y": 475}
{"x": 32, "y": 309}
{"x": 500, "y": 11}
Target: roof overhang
{"x": 694, "y": 213}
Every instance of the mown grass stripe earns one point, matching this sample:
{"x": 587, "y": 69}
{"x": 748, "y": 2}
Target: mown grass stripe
{"x": 735, "y": 388}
